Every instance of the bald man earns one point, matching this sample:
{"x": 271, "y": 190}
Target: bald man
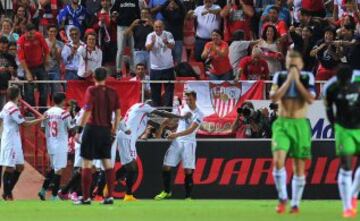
{"x": 160, "y": 43}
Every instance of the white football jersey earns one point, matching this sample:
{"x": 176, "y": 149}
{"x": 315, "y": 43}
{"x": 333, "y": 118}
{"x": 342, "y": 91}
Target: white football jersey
{"x": 56, "y": 129}
{"x": 11, "y": 118}
{"x": 196, "y": 117}
{"x": 136, "y": 119}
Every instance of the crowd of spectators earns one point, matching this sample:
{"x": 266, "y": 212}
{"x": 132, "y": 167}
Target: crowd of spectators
{"x": 150, "y": 39}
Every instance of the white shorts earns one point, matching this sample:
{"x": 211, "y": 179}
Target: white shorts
{"x": 77, "y": 158}
{"x": 97, "y": 164}
{"x": 181, "y": 151}
{"x": 58, "y": 161}
{"x": 126, "y": 146}
{"x": 12, "y": 154}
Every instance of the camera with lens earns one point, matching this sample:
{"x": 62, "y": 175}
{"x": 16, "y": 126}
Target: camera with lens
{"x": 245, "y": 111}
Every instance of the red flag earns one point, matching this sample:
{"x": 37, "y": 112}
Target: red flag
{"x": 128, "y": 91}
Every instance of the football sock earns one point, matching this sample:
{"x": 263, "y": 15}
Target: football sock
{"x": 130, "y": 176}
{"x": 48, "y": 179}
{"x": 355, "y": 188}
{"x": 94, "y": 182}
{"x": 14, "y": 179}
{"x": 0, "y": 175}
{"x": 7, "y": 182}
{"x": 188, "y": 185}
{"x": 280, "y": 183}
{"x": 166, "y": 175}
{"x": 101, "y": 183}
{"x": 86, "y": 180}
{"x": 297, "y": 188}
{"x": 109, "y": 176}
{"x": 120, "y": 173}
{"x": 75, "y": 179}
{"x": 56, "y": 181}
{"x": 344, "y": 184}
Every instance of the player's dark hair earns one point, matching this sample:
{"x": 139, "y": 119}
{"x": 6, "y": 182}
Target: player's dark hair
{"x": 140, "y": 64}
{"x": 344, "y": 73}
{"x": 191, "y": 93}
{"x": 13, "y": 92}
{"x": 59, "y": 97}
{"x": 100, "y": 74}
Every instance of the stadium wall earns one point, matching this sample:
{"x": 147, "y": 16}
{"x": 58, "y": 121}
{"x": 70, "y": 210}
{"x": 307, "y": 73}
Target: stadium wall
{"x": 233, "y": 169}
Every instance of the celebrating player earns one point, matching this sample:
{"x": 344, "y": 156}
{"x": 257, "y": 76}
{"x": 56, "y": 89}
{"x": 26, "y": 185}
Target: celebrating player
{"x": 133, "y": 126}
{"x": 56, "y": 125}
{"x": 294, "y": 90}
{"x": 11, "y": 154}
{"x": 73, "y": 185}
{"x": 343, "y": 93}
{"x": 183, "y": 147}
{"x": 100, "y": 102}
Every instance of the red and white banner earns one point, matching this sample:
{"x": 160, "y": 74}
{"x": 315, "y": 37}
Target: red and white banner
{"x": 219, "y": 101}
{"x": 128, "y": 91}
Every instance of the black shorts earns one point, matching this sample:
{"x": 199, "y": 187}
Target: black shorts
{"x": 96, "y": 143}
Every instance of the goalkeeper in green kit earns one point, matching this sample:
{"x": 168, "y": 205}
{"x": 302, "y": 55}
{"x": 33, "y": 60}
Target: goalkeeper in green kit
{"x": 343, "y": 92}
{"x": 294, "y": 90}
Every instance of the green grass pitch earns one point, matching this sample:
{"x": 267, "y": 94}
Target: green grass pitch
{"x": 172, "y": 210}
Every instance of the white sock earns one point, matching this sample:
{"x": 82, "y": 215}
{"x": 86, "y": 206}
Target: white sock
{"x": 297, "y": 189}
{"x": 344, "y": 183}
{"x": 355, "y": 188}
{"x": 280, "y": 183}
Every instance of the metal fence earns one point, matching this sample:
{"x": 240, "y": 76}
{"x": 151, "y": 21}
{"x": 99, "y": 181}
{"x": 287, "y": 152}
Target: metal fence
{"x": 21, "y": 83}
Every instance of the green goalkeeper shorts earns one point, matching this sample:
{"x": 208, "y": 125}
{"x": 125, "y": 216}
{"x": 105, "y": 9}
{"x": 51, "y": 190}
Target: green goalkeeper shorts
{"x": 347, "y": 141}
{"x": 292, "y": 135}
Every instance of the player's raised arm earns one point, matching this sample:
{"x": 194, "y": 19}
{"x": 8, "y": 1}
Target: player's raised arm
{"x": 307, "y": 94}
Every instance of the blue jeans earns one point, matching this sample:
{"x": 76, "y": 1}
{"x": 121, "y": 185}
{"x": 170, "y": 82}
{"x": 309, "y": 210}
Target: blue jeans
{"x": 40, "y": 74}
{"x": 142, "y": 57}
{"x": 71, "y": 75}
{"x": 166, "y": 74}
{"x": 55, "y": 76}
{"x": 199, "y": 47}
{"x": 177, "y": 51}
{"x": 224, "y": 77}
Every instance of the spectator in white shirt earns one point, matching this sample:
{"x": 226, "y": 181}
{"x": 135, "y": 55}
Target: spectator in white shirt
{"x": 160, "y": 43}
{"x": 90, "y": 56}
{"x": 208, "y": 19}
{"x": 70, "y": 54}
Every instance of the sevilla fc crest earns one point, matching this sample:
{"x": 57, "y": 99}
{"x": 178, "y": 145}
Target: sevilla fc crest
{"x": 224, "y": 97}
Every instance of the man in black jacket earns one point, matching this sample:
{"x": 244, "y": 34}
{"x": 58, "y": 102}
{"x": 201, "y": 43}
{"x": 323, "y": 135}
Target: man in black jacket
{"x": 126, "y": 11}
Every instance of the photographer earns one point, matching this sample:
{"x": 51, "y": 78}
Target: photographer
{"x": 251, "y": 123}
